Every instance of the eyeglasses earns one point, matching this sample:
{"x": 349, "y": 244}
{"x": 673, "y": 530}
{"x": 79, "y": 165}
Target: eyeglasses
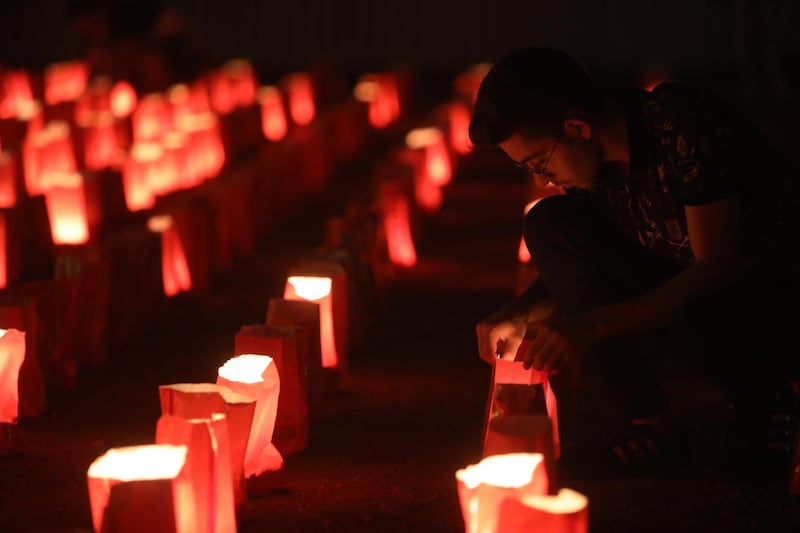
{"x": 533, "y": 171}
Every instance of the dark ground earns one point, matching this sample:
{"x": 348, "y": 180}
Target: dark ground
{"x": 409, "y": 412}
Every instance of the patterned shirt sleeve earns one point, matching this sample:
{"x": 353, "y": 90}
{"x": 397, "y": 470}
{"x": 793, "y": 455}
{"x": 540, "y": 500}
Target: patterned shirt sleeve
{"x": 705, "y": 156}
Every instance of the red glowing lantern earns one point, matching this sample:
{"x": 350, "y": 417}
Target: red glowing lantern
{"x": 15, "y": 92}
{"x": 436, "y": 167}
{"x": 143, "y": 161}
{"x": 273, "y": 114}
{"x": 202, "y": 401}
{"x": 8, "y": 180}
{"x": 3, "y": 252}
{"x": 517, "y": 391}
{"x": 12, "y": 354}
{"x": 300, "y": 90}
{"x": 136, "y": 488}
{"x": 459, "y": 117}
{"x": 242, "y": 79}
{"x": 256, "y": 375}
{"x": 395, "y": 209}
{"x": 47, "y": 151}
{"x": 564, "y": 512}
{"x": 380, "y": 93}
{"x": 317, "y": 289}
{"x": 101, "y": 146}
{"x": 66, "y": 208}
{"x": 206, "y": 500}
{"x": 283, "y": 343}
{"x": 482, "y": 487}
{"x": 65, "y": 81}
{"x": 151, "y": 118}
{"x": 30, "y": 386}
{"x": 123, "y": 99}
{"x": 174, "y": 266}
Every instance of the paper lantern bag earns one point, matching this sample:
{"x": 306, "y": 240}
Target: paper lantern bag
{"x": 262, "y": 383}
{"x": 207, "y": 500}
{"x": 203, "y": 401}
{"x": 517, "y": 391}
{"x": 282, "y": 343}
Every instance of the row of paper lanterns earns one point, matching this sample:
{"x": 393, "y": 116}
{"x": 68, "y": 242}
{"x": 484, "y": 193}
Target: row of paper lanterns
{"x": 427, "y": 154}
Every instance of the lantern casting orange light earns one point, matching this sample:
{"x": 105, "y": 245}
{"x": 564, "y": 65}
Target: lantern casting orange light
{"x": 483, "y": 486}
{"x": 317, "y": 289}
{"x": 135, "y": 488}
{"x": 175, "y": 271}
{"x": 256, "y": 375}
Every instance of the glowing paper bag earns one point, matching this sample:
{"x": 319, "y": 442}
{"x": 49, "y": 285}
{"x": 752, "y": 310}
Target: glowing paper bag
{"x": 135, "y": 488}
{"x": 516, "y": 391}
{"x": 283, "y": 343}
{"x": 305, "y": 315}
{"x": 12, "y": 354}
{"x": 483, "y": 486}
{"x": 256, "y": 376}
{"x": 524, "y": 433}
{"x": 203, "y": 400}
{"x": 207, "y": 501}
{"x": 334, "y": 268}
{"x": 565, "y": 512}
{"x": 317, "y": 289}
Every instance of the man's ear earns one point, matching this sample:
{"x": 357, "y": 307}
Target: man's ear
{"x": 576, "y": 127}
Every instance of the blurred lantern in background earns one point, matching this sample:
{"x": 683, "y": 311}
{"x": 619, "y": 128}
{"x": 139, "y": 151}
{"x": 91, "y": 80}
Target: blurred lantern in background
{"x": 12, "y": 354}
{"x": 101, "y": 146}
{"x": 437, "y": 166}
{"x": 482, "y": 487}
{"x": 142, "y": 166}
{"x": 66, "y": 207}
{"x": 273, "y": 114}
{"x": 459, "y": 117}
{"x": 4, "y": 274}
{"x": 123, "y": 99}
{"x": 65, "y": 81}
{"x": 15, "y": 92}
{"x": 137, "y": 488}
{"x": 397, "y": 230}
{"x": 49, "y": 150}
{"x": 256, "y": 375}
{"x": 151, "y": 118}
{"x": 242, "y": 80}
{"x": 380, "y": 93}
{"x": 174, "y": 266}
{"x": 8, "y": 180}
{"x": 300, "y": 92}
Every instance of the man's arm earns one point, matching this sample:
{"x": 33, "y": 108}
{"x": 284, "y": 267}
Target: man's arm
{"x": 713, "y": 233}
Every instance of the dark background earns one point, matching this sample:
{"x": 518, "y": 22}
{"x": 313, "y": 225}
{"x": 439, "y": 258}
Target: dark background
{"x": 719, "y": 39}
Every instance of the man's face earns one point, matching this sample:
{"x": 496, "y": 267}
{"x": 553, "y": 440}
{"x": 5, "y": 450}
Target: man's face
{"x": 570, "y": 160}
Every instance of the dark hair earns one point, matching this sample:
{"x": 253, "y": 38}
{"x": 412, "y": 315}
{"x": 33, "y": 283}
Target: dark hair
{"x": 531, "y": 89}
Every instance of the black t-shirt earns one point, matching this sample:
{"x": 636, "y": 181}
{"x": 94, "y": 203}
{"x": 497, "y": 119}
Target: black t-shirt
{"x": 688, "y": 148}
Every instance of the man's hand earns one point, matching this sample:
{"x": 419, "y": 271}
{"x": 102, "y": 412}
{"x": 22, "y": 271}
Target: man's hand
{"x": 552, "y": 346}
{"x": 500, "y": 335}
